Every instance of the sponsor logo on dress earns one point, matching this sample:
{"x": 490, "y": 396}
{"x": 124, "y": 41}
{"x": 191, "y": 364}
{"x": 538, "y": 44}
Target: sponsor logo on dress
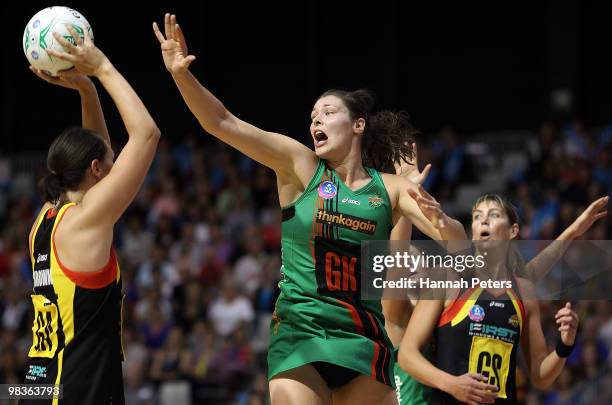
{"x": 514, "y": 321}
{"x": 477, "y": 313}
{"x": 349, "y": 201}
{"x": 375, "y": 201}
{"x": 346, "y": 221}
{"x": 482, "y": 329}
{"x": 497, "y": 304}
{"x": 37, "y": 372}
{"x": 327, "y": 190}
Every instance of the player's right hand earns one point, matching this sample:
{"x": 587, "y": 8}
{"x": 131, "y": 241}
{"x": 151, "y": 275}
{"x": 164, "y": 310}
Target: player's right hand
{"x": 70, "y": 79}
{"x": 85, "y": 56}
{"x": 471, "y": 389}
{"x": 173, "y": 46}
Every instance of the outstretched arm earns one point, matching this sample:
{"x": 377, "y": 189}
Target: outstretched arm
{"x": 540, "y": 265}
{"x": 91, "y": 110}
{"x": 416, "y": 204}
{"x": 104, "y": 203}
{"x": 282, "y": 154}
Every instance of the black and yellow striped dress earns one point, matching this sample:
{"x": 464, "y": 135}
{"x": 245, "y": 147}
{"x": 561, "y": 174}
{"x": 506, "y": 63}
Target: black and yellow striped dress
{"x": 480, "y": 333}
{"x": 77, "y": 323}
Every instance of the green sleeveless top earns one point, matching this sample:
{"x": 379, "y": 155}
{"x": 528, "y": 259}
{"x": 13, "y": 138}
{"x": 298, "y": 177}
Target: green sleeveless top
{"x": 322, "y": 233}
{"x": 319, "y": 315}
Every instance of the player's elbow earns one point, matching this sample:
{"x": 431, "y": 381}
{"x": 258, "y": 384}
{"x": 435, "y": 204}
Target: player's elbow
{"x": 405, "y": 358}
{"x": 540, "y": 383}
{"x": 154, "y": 132}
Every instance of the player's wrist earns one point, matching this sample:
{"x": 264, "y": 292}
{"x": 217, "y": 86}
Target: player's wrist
{"x": 563, "y": 350}
{"x": 446, "y": 382}
{"x": 105, "y": 69}
{"x": 86, "y": 87}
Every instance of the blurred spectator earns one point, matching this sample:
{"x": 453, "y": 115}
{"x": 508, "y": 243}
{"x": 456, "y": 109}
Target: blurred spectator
{"x": 230, "y": 309}
{"x": 200, "y": 259}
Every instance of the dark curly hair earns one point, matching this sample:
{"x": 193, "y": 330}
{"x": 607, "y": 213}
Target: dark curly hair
{"x": 388, "y": 135}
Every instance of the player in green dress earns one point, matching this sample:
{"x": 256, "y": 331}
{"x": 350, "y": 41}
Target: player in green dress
{"x": 397, "y": 311}
{"x": 327, "y": 345}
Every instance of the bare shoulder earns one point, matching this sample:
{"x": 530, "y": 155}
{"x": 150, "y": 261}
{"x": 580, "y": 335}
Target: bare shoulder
{"x": 72, "y": 238}
{"x": 292, "y": 183}
{"x": 393, "y": 184}
{"x": 526, "y": 288}
{"x": 305, "y": 165}
{"x": 528, "y": 293}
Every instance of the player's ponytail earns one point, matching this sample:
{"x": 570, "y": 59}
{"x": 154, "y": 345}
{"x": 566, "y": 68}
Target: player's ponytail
{"x": 388, "y": 135}
{"x": 69, "y": 157}
{"x": 51, "y": 187}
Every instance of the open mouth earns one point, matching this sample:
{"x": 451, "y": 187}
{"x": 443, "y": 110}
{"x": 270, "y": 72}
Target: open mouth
{"x": 320, "y": 138}
{"x": 485, "y": 235}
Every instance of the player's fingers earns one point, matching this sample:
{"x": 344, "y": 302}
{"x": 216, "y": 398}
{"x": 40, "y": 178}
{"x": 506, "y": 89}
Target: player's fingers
{"x": 173, "y": 26}
{"x": 67, "y": 45}
{"x": 424, "y": 173}
{"x": 158, "y": 34}
{"x": 565, "y": 319}
{"x": 43, "y": 75}
{"x": 425, "y": 193}
{"x": 478, "y": 399}
{"x": 75, "y": 34}
{"x": 62, "y": 55}
{"x": 412, "y": 193}
{"x": 86, "y": 35}
{"x": 68, "y": 73}
{"x": 601, "y": 215}
{"x": 180, "y": 36}
{"x": 484, "y": 386}
{"x": 477, "y": 376}
{"x": 167, "y": 29}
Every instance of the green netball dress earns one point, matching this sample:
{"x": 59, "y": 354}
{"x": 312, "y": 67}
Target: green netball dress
{"x": 319, "y": 316}
{"x": 409, "y": 391}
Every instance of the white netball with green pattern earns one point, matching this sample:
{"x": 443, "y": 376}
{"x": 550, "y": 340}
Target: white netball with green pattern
{"x": 38, "y": 36}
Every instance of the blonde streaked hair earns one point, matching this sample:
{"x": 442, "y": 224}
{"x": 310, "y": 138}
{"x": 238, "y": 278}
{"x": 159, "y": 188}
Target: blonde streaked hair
{"x": 515, "y": 261}
{"x": 503, "y": 202}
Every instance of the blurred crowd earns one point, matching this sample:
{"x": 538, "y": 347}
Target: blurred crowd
{"x": 199, "y": 252}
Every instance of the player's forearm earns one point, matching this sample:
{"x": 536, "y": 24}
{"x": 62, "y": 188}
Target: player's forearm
{"x": 207, "y": 108}
{"x": 136, "y": 118}
{"x": 91, "y": 111}
{"x": 415, "y": 364}
{"x": 454, "y": 236}
{"x": 549, "y": 370}
{"x": 453, "y": 230}
{"x": 540, "y": 265}
{"x": 395, "y": 332}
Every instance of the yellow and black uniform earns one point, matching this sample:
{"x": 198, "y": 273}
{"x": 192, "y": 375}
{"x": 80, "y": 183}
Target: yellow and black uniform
{"x": 77, "y": 323}
{"x": 480, "y": 333}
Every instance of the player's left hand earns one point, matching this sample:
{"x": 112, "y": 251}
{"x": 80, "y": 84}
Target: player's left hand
{"x": 410, "y": 169}
{"x": 567, "y": 321}
{"x": 85, "y": 56}
{"x": 595, "y": 211}
{"x": 429, "y": 206}
{"x": 70, "y": 78}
